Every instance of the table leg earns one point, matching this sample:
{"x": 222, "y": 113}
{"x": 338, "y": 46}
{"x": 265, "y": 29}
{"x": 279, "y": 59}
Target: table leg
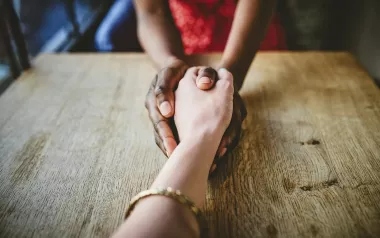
{"x": 6, "y": 38}
{"x": 15, "y": 28}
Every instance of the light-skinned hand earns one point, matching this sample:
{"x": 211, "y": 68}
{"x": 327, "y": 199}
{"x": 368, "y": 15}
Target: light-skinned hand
{"x": 203, "y": 111}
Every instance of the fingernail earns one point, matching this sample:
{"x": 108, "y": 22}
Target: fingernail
{"x": 222, "y": 152}
{"x": 222, "y": 70}
{"x": 213, "y": 167}
{"x": 204, "y": 80}
{"x": 165, "y": 108}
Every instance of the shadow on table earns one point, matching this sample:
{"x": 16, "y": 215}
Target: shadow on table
{"x": 230, "y": 164}
{"x": 231, "y": 190}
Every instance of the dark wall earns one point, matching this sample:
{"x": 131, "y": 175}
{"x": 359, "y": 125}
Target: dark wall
{"x": 362, "y": 35}
{"x": 337, "y": 25}
{"x": 311, "y": 24}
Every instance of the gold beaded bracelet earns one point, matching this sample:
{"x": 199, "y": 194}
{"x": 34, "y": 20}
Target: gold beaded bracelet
{"x": 168, "y": 192}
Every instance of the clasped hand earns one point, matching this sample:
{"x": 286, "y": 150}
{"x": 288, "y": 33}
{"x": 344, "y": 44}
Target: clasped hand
{"x": 194, "y": 100}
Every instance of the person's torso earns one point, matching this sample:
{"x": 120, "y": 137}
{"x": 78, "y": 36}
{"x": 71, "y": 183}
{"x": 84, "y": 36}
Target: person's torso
{"x": 205, "y": 25}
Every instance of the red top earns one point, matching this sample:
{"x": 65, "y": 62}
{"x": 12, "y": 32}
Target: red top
{"x": 206, "y": 24}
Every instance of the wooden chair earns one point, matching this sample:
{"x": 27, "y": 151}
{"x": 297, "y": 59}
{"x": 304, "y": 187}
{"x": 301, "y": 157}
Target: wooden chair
{"x": 13, "y": 39}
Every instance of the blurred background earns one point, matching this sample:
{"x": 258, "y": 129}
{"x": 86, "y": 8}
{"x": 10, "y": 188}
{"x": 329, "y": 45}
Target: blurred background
{"x": 97, "y": 25}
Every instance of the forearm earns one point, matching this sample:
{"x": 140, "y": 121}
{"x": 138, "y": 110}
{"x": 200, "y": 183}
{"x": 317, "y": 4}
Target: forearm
{"x": 188, "y": 167}
{"x": 158, "y": 33}
{"x": 248, "y": 30}
{"x": 186, "y": 170}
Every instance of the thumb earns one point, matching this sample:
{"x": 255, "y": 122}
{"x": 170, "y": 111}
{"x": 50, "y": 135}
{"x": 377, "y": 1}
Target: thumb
{"x": 164, "y": 97}
{"x": 226, "y": 81}
{"x": 206, "y": 78}
{"x": 166, "y": 81}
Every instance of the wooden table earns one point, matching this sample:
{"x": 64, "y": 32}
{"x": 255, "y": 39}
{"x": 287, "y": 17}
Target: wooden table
{"x": 76, "y": 144}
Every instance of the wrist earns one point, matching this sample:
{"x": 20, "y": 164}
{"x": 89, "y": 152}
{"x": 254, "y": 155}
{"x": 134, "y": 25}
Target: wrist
{"x": 174, "y": 60}
{"x": 209, "y": 137}
{"x": 203, "y": 148}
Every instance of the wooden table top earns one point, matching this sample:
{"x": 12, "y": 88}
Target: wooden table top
{"x": 76, "y": 144}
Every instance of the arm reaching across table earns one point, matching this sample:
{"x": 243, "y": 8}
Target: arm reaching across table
{"x": 161, "y": 39}
{"x": 201, "y": 117}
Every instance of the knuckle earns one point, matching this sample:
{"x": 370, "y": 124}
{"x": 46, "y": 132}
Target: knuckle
{"x": 147, "y": 101}
{"x": 157, "y": 138}
{"x": 159, "y": 123}
{"x": 155, "y": 121}
{"x": 230, "y": 79}
{"x": 234, "y": 141}
{"x": 149, "y": 96}
{"x": 163, "y": 80}
{"x": 159, "y": 90}
{"x": 158, "y": 141}
{"x": 164, "y": 71}
{"x": 233, "y": 145}
{"x": 227, "y": 84}
{"x": 164, "y": 130}
{"x": 152, "y": 112}
{"x": 243, "y": 112}
{"x": 164, "y": 74}
{"x": 154, "y": 81}
{"x": 227, "y": 74}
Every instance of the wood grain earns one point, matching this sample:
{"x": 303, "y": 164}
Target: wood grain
{"x": 76, "y": 145}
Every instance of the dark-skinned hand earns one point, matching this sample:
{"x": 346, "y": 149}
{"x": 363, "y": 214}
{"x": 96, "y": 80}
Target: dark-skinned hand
{"x": 160, "y": 105}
